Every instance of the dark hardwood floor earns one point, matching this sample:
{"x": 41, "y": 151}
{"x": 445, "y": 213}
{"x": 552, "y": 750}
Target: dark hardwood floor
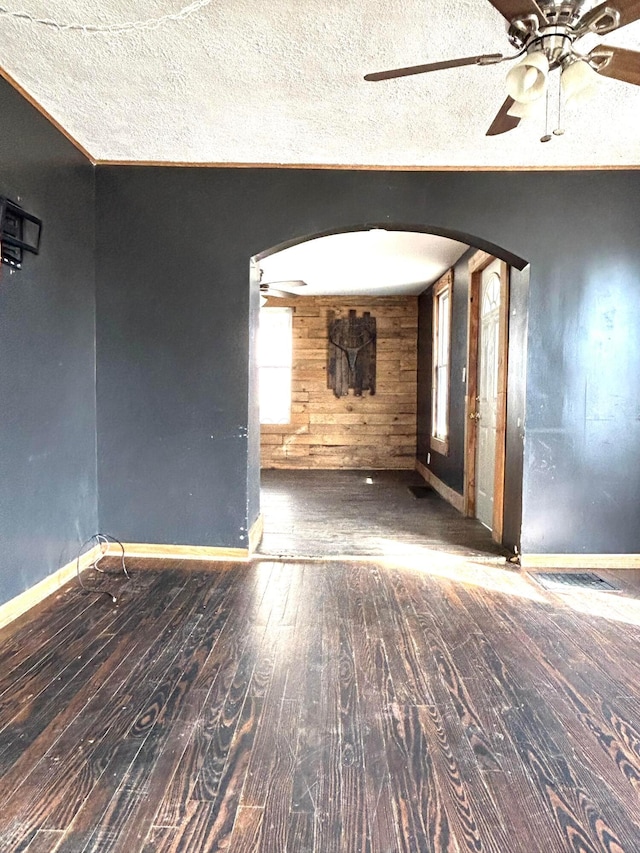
{"x": 359, "y": 707}
{"x": 339, "y": 513}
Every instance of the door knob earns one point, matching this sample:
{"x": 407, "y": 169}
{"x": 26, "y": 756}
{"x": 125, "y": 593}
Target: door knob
{"x": 474, "y": 416}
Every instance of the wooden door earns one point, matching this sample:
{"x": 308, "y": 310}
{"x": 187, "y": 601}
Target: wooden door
{"x": 487, "y": 390}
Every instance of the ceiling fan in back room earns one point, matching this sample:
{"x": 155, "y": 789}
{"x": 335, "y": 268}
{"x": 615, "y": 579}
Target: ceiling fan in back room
{"x": 280, "y": 289}
{"x": 545, "y": 36}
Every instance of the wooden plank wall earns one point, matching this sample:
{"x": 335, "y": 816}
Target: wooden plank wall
{"x": 350, "y": 432}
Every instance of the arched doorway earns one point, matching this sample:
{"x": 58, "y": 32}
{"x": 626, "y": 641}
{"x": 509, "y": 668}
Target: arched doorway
{"x": 325, "y": 433}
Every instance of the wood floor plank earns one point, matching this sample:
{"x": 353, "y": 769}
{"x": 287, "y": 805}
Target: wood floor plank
{"x": 317, "y": 707}
{"x": 356, "y": 832}
{"x": 466, "y": 752}
{"x": 100, "y": 732}
{"x": 245, "y": 837}
{"x": 277, "y": 650}
{"x": 160, "y": 838}
{"x": 208, "y": 824}
{"x": 119, "y": 808}
{"x": 112, "y": 810}
{"x": 139, "y": 795}
{"x": 45, "y": 841}
{"x": 41, "y": 718}
{"x": 90, "y": 699}
{"x": 450, "y": 632}
{"x": 307, "y": 628}
{"x": 301, "y": 832}
{"x": 454, "y": 767}
{"x": 419, "y": 809}
{"x": 329, "y": 815}
{"x": 124, "y": 760}
{"x": 222, "y": 666}
{"x": 410, "y": 685}
{"x": 22, "y": 642}
{"x": 377, "y": 778}
{"x": 277, "y": 809}
{"x": 595, "y": 790}
{"x": 542, "y": 747}
{"x": 32, "y": 677}
{"x": 392, "y": 792}
{"x": 236, "y": 723}
{"x": 313, "y": 712}
{"x": 586, "y": 714}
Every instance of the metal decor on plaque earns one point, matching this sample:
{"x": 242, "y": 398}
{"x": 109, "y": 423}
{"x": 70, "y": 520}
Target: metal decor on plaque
{"x": 351, "y": 356}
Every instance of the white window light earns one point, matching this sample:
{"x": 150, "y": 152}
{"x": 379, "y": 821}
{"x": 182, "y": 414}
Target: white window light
{"x": 441, "y": 364}
{"x": 275, "y": 359}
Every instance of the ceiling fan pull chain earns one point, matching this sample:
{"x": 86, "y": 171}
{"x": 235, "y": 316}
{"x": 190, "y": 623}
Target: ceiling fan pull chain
{"x": 547, "y": 135}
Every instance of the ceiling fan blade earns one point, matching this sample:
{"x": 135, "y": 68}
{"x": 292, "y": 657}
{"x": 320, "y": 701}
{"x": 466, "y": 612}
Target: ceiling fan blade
{"x": 518, "y": 9}
{"x": 600, "y": 21}
{"x": 622, "y": 65}
{"x": 482, "y": 59}
{"x": 503, "y": 121}
{"x": 280, "y": 294}
{"x": 283, "y": 284}
{"x": 282, "y": 289}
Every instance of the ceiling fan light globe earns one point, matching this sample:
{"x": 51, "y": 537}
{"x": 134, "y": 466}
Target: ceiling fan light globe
{"x": 527, "y": 81}
{"x": 579, "y": 82}
{"x": 530, "y": 77}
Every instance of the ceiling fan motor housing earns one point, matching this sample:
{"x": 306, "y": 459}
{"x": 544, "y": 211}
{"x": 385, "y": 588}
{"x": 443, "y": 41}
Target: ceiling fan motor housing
{"x": 560, "y": 25}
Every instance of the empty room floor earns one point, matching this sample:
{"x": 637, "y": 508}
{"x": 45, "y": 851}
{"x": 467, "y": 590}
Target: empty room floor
{"x": 362, "y": 513}
{"x": 312, "y": 706}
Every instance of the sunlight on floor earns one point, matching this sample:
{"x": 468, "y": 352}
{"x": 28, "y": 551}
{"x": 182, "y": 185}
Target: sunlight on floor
{"x": 606, "y": 605}
{"x": 475, "y": 570}
{"x": 478, "y": 571}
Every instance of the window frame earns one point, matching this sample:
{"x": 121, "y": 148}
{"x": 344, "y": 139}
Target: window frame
{"x": 443, "y": 287}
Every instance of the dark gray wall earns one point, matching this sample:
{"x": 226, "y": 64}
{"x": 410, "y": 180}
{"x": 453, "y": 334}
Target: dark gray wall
{"x": 48, "y": 502}
{"x": 582, "y": 442}
{"x": 173, "y": 308}
{"x": 516, "y": 406}
{"x": 253, "y": 447}
{"x": 172, "y": 350}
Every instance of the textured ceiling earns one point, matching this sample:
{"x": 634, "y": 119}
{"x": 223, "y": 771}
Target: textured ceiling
{"x": 375, "y": 262}
{"x": 244, "y": 81}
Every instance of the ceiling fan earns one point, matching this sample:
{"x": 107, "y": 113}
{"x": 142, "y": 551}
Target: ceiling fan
{"x": 280, "y": 289}
{"x": 544, "y": 34}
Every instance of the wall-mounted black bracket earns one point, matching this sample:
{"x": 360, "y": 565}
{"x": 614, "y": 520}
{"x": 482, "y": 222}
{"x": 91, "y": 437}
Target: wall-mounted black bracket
{"x": 19, "y": 232}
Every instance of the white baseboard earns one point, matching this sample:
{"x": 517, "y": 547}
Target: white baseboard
{"x": 179, "y": 552}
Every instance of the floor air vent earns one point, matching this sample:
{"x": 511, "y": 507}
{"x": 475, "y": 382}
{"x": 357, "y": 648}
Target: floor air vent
{"x": 420, "y": 491}
{"x": 559, "y": 581}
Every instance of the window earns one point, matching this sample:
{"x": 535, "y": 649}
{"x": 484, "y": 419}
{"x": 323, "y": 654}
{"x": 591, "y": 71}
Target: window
{"x": 275, "y": 353}
{"x": 442, "y": 299}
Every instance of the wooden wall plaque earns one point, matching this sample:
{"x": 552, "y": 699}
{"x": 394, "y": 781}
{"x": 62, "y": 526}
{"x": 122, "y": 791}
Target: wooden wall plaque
{"x": 351, "y": 356}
